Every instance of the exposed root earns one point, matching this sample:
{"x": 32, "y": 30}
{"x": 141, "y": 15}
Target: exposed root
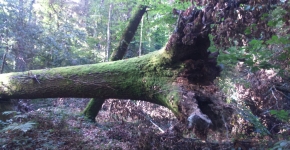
{"x": 202, "y": 111}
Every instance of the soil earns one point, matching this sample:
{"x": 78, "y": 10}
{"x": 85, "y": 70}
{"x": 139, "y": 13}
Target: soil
{"x": 121, "y": 124}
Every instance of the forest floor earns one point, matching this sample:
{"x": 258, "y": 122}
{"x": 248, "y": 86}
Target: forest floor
{"x": 121, "y": 124}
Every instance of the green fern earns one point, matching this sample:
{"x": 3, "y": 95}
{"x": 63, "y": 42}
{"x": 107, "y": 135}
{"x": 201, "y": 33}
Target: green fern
{"x": 10, "y": 113}
{"x": 19, "y": 126}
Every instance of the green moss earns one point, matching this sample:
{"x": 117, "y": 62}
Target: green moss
{"x": 93, "y": 108}
{"x": 149, "y": 77}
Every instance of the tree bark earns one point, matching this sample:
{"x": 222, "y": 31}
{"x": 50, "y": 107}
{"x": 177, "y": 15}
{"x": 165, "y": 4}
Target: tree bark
{"x": 180, "y": 77}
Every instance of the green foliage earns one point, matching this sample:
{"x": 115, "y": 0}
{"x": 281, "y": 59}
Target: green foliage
{"x": 19, "y": 126}
{"x": 282, "y": 115}
{"x": 253, "y": 53}
{"x": 246, "y": 114}
{"x": 277, "y": 19}
{"x": 278, "y": 40}
{"x": 59, "y": 33}
{"x": 13, "y": 126}
{"x": 10, "y": 112}
{"x": 3, "y": 124}
{"x": 258, "y": 53}
{"x": 281, "y": 145}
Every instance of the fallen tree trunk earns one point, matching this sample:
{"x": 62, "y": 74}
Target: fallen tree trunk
{"x": 179, "y": 77}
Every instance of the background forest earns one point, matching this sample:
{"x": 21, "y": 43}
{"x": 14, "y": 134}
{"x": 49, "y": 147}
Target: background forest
{"x": 252, "y": 41}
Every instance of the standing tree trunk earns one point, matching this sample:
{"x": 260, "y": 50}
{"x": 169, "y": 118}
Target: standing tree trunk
{"x": 20, "y": 64}
{"x": 141, "y": 34}
{"x": 95, "y": 104}
{"x": 5, "y": 54}
{"x": 128, "y": 35}
{"x": 108, "y": 34}
{"x": 4, "y": 59}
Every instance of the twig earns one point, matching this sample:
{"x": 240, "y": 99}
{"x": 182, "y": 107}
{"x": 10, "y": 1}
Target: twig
{"x": 156, "y": 126}
{"x": 274, "y": 95}
{"x": 226, "y": 125}
{"x": 274, "y": 127}
{"x": 283, "y": 94}
{"x": 35, "y": 77}
{"x": 148, "y": 117}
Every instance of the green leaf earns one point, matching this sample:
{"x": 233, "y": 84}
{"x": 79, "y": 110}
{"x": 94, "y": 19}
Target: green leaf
{"x": 249, "y": 62}
{"x": 272, "y": 23}
{"x": 255, "y": 68}
{"x": 248, "y": 31}
{"x": 264, "y": 16}
{"x": 273, "y": 40}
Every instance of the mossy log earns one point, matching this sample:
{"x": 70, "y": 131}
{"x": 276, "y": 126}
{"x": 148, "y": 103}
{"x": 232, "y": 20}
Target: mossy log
{"x": 179, "y": 77}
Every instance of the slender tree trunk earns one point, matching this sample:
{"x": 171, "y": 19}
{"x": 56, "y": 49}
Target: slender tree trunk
{"x": 5, "y": 54}
{"x": 128, "y": 35}
{"x": 108, "y": 34}
{"x": 3, "y": 60}
{"x": 20, "y": 61}
{"x": 30, "y": 10}
{"x": 141, "y": 34}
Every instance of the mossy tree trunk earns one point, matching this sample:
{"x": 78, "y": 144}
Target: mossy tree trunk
{"x": 179, "y": 77}
{"x": 93, "y": 107}
{"x": 151, "y": 78}
{"x": 95, "y": 104}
